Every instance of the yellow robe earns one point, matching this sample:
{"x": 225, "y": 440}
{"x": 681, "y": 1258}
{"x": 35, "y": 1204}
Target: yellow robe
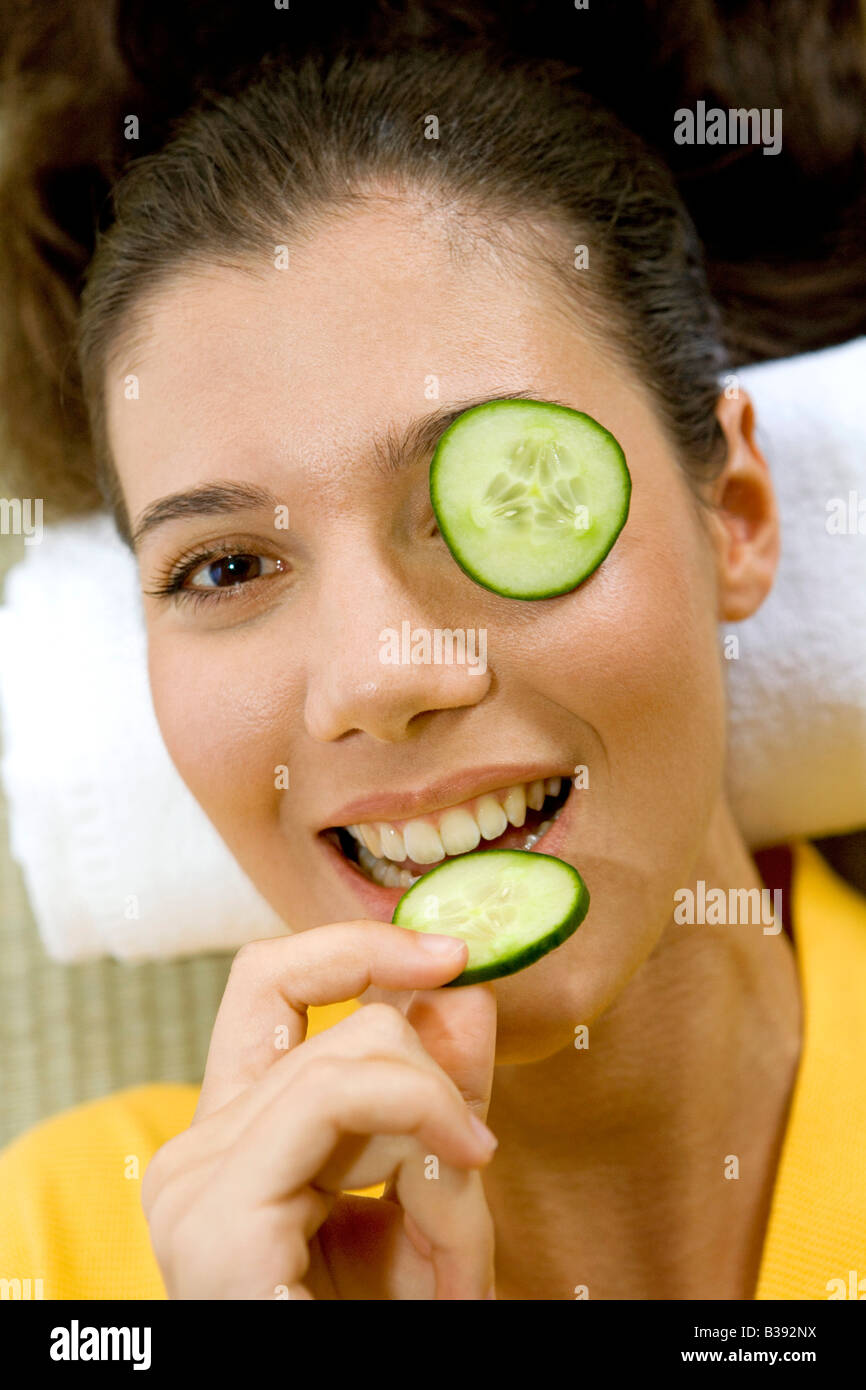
{"x": 70, "y": 1209}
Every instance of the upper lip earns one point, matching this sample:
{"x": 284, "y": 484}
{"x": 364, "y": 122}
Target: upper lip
{"x": 451, "y": 790}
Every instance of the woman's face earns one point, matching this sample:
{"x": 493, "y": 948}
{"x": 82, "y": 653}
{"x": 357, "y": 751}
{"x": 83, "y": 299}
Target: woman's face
{"x": 287, "y": 380}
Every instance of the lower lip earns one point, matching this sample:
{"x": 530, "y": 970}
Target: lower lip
{"x": 380, "y": 901}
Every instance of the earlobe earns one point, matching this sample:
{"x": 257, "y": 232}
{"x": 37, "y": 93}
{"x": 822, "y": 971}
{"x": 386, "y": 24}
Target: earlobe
{"x": 745, "y": 514}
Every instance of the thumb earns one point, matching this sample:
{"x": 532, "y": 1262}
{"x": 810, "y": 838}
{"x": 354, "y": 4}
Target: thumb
{"x": 458, "y": 1029}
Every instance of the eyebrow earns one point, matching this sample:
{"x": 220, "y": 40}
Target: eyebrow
{"x": 392, "y": 451}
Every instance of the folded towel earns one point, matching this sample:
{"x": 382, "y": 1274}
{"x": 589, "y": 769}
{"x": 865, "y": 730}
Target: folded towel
{"x": 120, "y": 860}
{"x": 117, "y": 855}
{"x": 797, "y": 692}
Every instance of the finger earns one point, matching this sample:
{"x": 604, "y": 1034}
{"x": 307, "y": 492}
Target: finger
{"x": 451, "y": 1214}
{"x": 374, "y": 1031}
{"x": 204, "y": 1186}
{"x": 457, "y": 1028}
{"x": 367, "y": 1146}
{"x": 263, "y": 1013}
{"x": 326, "y": 1113}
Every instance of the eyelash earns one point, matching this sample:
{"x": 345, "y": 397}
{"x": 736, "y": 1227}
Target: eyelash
{"x": 169, "y": 583}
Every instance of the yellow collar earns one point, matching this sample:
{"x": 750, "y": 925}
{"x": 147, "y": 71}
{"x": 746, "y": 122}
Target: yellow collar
{"x": 815, "y": 1245}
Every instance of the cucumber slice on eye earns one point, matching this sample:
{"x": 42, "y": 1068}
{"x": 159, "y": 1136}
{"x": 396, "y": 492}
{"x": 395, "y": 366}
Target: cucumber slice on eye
{"x": 529, "y": 496}
{"x": 511, "y": 906}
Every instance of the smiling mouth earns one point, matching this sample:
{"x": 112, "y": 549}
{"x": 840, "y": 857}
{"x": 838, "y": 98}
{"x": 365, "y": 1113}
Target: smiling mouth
{"x": 395, "y": 855}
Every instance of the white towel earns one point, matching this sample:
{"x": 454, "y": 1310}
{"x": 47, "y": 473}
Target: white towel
{"x": 797, "y": 692}
{"x": 118, "y": 857}
{"x": 120, "y": 860}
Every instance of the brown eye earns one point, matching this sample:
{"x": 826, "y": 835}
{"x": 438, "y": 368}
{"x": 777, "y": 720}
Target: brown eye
{"x": 228, "y": 570}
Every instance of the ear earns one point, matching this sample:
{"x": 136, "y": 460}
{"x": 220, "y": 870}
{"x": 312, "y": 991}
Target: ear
{"x": 744, "y": 518}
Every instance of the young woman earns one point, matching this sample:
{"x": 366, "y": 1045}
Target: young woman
{"x": 296, "y": 296}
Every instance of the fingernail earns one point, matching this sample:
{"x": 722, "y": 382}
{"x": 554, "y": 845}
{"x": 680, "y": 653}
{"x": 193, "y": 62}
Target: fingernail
{"x": 485, "y": 1135}
{"x": 440, "y": 945}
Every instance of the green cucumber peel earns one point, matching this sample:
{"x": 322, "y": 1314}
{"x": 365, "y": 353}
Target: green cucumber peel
{"x": 529, "y": 496}
{"x": 510, "y": 906}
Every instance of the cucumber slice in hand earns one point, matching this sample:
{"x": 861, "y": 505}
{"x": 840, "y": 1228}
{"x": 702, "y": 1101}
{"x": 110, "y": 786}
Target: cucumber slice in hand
{"x": 511, "y": 906}
{"x": 529, "y": 496}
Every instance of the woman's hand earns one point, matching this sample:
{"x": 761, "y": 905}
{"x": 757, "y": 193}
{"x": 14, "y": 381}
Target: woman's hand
{"x": 244, "y": 1204}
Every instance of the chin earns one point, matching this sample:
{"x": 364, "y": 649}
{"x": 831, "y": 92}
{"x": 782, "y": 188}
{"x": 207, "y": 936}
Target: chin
{"x": 539, "y": 1009}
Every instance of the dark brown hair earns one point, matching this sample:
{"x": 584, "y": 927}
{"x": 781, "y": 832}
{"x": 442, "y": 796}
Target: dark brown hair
{"x": 783, "y": 254}
{"x": 783, "y": 236}
{"x": 519, "y": 157}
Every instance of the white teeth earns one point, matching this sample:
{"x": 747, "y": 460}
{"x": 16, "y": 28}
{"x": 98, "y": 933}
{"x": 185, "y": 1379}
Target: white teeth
{"x": 383, "y": 872}
{"x": 459, "y": 831}
{"x": 533, "y": 838}
{"x": 393, "y": 846}
{"x": 514, "y": 804}
{"x": 372, "y": 839}
{"x": 491, "y": 818}
{"x": 423, "y": 843}
{"x": 382, "y": 848}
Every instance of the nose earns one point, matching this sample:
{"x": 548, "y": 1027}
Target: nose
{"x": 379, "y": 663}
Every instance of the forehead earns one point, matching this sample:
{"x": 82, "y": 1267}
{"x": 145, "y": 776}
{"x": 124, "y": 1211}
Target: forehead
{"x": 372, "y": 322}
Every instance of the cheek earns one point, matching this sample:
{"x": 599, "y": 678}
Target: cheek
{"x": 660, "y": 692}
{"x": 226, "y": 724}
{"x": 635, "y": 655}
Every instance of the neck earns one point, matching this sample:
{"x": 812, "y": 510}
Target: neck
{"x": 642, "y": 1166}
